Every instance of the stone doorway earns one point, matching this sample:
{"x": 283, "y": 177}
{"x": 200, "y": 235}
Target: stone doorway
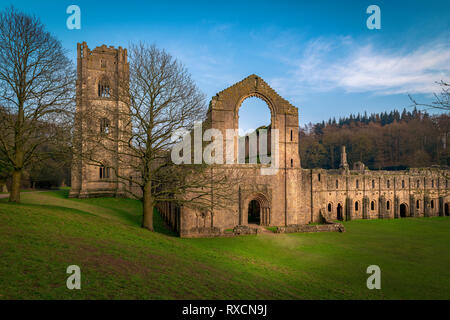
{"x": 258, "y": 210}
{"x": 403, "y": 210}
{"x": 447, "y": 210}
{"x": 254, "y": 213}
{"x": 340, "y": 215}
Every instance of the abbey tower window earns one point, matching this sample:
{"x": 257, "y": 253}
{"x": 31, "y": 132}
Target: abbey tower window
{"x": 388, "y": 205}
{"x": 418, "y": 204}
{"x": 329, "y": 207}
{"x": 418, "y": 183}
{"x": 388, "y": 184}
{"x": 403, "y": 183}
{"x": 432, "y": 183}
{"x": 373, "y": 184}
{"x": 104, "y": 126}
{"x": 104, "y": 90}
{"x": 356, "y": 206}
{"x": 432, "y": 204}
{"x": 357, "y": 184}
{"x": 372, "y": 205}
{"x": 337, "y": 184}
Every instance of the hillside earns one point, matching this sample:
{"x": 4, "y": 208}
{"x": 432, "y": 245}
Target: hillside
{"x": 119, "y": 260}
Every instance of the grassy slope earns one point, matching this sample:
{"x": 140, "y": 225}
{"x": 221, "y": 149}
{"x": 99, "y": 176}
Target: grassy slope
{"x": 48, "y": 232}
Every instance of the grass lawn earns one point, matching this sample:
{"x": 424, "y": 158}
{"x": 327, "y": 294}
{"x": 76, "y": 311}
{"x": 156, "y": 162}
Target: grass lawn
{"x": 48, "y": 232}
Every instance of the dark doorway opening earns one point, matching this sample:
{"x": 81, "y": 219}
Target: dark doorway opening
{"x": 254, "y": 212}
{"x": 403, "y": 210}
{"x": 339, "y": 212}
{"x": 447, "y": 210}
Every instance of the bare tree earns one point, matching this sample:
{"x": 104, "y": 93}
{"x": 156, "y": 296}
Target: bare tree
{"x": 160, "y": 98}
{"x": 36, "y": 89}
{"x": 441, "y": 102}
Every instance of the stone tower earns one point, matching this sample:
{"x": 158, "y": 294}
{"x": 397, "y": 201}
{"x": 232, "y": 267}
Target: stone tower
{"x": 102, "y": 73}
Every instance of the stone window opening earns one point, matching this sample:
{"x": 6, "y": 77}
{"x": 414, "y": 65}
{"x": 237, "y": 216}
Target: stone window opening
{"x": 357, "y": 184}
{"x": 291, "y": 134}
{"x": 418, "y": 204}
{"x": 337, "y": 184}
{"x": 432, "y": 183}
{"x": 292, "y": 163}
{"x": 418, "y": 183}
{"x": 373, "y": 184}
{"x": 403, "y": 183}
{"x": 318, "y": 176}
{"x": 104, "y": 172}
{"x": 372, "y": 205}
{"x": 432, "y": 204}
{"x": 329, "y": 207}
{"x": 356, "y": 206}
{"x": 246, "y": 124}
{"x": 104, "y": 126}
{"x": 103, "y": 63}
{"x": 388, "y": 205}
{"x": 388, "y": 184}
{"x": 104, "y": 90}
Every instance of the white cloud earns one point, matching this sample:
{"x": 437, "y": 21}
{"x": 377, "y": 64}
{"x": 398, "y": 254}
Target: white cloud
{"x": 326, "y": 64}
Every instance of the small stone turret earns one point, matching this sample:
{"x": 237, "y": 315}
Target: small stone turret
{"x": 344, "y": 164}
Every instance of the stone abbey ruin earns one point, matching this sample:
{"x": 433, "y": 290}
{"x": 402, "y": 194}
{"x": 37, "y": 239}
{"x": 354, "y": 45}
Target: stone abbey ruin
{"x": 291, "y": 199}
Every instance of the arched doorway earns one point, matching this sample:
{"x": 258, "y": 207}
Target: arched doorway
{"x": 254, "y": 212}
{"x": 258, "y": 210}
{"x": 447, "y": 210}
{"x": 340, "y": 216}
{"x": 403, "y": 210}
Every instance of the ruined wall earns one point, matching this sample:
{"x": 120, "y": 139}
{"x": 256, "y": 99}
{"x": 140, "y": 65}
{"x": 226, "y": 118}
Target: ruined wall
{"x": 378, "y": 194}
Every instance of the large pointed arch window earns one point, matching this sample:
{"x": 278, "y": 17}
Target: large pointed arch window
{"x": 104, "y": 89}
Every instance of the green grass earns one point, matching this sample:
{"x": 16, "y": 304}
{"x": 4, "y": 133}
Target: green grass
{"x": 48, "y": 232}
{"x": 24, "y": 190}
{"x": 273, "y": 229}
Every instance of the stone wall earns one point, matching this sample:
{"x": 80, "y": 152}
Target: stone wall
{"x": 333, "y": 227}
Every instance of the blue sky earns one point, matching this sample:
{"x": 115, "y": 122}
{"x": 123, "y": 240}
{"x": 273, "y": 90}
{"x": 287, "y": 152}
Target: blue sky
{"x": 319, "y": 55}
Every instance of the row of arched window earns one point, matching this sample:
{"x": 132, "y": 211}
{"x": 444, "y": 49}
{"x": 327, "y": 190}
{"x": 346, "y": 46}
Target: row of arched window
{"x": 388, "y": 205}
{"x": 388, "y": 183}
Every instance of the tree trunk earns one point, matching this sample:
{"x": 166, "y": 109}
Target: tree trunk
{"x": 147, "y": 221}
{"x": 14, "y": 196}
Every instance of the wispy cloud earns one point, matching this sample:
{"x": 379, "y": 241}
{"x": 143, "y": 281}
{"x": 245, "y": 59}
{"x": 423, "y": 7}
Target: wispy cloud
{"x": 340, "y": 63}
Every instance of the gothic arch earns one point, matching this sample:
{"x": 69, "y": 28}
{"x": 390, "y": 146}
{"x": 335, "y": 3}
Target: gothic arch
{"x": 229, "y": 101}
{"x": 259, "y": 96}
{"x": 223, "y": 114}
{"x": 264, "y": 207}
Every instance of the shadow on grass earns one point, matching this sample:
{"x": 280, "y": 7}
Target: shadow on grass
{"x": 160, "y": 226}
